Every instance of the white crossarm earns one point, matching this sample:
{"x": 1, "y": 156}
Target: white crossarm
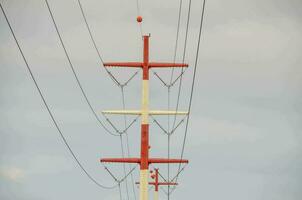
{"x": 122, "y": 112}
{"x": 167, "y": 112}
{"x": 139, "y": 112}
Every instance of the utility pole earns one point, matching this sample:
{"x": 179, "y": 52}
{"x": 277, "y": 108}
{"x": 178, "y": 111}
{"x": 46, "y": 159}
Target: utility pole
{"x": 144, "y": 160}
{"x": 156, "y": 183}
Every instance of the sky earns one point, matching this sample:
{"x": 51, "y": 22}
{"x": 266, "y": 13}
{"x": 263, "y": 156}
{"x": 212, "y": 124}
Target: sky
{"x": 244, "y": 137}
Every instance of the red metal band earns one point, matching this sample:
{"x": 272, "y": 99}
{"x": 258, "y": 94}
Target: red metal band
{"x": 144, "y": 146}
{"x": 145, "y": 72}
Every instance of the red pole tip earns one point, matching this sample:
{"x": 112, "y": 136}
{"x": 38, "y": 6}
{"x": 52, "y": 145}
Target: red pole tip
{"x": 139, "y": 19}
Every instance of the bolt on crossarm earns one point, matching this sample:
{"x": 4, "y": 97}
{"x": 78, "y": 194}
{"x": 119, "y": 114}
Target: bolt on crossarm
{"x": 144, "y": 161}
{"x": 157, "y": 183}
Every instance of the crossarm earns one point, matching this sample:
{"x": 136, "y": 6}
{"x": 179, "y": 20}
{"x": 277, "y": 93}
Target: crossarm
{"x": 166, "y": 160}
{"x": 163, "y": 65}
{"x": 160, "y": 183}
{"x": 167, "y": 112}
{"x": 123, "y": 64}
{"x": 167, "y": 183}
{"x": 122, "y": 112}
{"x": 138, "y": 160}
{"x": 120, "y": 160}
{"x": 139, "y": 112}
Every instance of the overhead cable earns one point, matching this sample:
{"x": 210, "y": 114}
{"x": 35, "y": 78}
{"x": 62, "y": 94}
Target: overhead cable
{"x": 180, "y": 79}
{"x": 193, "y": 83}
{"x": 123, "y": 98}
{"x": 51, "y": 113}
{"x": 75, "y": 74}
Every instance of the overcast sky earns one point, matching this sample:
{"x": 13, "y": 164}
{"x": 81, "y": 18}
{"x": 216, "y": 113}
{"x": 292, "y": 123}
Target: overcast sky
{"x": 244, "y": 139}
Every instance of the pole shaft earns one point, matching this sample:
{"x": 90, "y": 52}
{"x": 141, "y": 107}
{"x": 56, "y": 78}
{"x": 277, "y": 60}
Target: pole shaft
{"x": 145, "y": 124}
{"x": 156, "y": 195}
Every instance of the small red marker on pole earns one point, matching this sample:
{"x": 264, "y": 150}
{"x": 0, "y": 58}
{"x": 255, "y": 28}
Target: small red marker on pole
{"x": 156, "y": 183}
{"x": 139, "y": 19}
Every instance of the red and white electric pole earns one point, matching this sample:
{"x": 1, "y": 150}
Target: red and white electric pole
{"x": 144, "y": 160}
{"x": 157, "y": 183}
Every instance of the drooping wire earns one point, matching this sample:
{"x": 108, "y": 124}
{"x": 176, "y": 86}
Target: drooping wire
{"x": 171, "y": 84}
{"x": 138, "y": 11}
{"x": 182, "y": 169}
{"x": 176, "y": 39}
{"x": 120, "y": 191}
{"x": 171, "y": 81}
{"x": 90, "y": 33}
{"x": 123, "y": 97}
{"x": 125, "y": 130}
{"x": 124, "y": 165}
{"x": 75, "y": 74}
{"x": 138, "y": 7}
{"x": 173, "y": 179}
{"x": 127, "y": 140}
{"x": 193, "y": 84}
{"x": 181, "y": 75}
{"x": 171, "y": 77}
{"x": 95, "y": 46}
{"x": 50, "y": 112}
{"x": 121, "y": 180}
{"x": 118, "y": 83}
{"x": 169, "y": 141}
{"x": 183, "y": 59}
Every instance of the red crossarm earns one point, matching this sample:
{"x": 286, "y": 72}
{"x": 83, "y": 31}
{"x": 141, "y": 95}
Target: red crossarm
{"x": 138, "y": 160}
{"x": 163, "y": 65}
{"x": 140, "y": 65}
{"x": 121, "y": 160}
{"x": 124, "y": 64}
{"x": 166, "y": 160}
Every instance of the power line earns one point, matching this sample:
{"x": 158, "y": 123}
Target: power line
{"x": 75, "y": 74}
{"x": 94, "y": 44}
{"x": 120, "y": 191}
{"x": 121, "y": 180}
{"x": 91, "y": 37}
{"x": 193, "y": 83}
{"x": 122, "y": 92}
{"x": 127, "y": 141}
{"x": 138, "y": 11}
{"x": 183, "y": 59}
{"x": 194, "y": 74}
{"x": 181, "y": 75}
{"x": 138, "y": 7}
{"x": 176, "y": 39}
{"x": 98, "y": 52}
{"x": 50, "y": 112}
{"x": 124, "y": 166}
{"x": 169, "y": 138}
